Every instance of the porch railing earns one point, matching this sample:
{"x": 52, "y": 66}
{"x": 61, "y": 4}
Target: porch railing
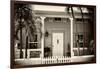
{"x": 56, "y": 59}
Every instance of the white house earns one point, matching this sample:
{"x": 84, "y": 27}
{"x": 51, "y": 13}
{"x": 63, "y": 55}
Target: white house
{"x": 64, "y": 39}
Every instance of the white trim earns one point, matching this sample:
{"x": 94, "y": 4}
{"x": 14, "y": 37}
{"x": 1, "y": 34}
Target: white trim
{"x": 34, "y": 49}
{"x": 33, "y": 42}
{"x": 82, "y": 56}
{"x": 80, "y": 48}
{"x": 62, "y": 16}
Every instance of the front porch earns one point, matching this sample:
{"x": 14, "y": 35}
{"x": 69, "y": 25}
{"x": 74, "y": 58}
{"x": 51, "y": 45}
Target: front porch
{"x": 40, "y": 58}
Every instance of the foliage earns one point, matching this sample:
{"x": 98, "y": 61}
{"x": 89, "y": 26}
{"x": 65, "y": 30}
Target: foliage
{"x": 24, "y": 18}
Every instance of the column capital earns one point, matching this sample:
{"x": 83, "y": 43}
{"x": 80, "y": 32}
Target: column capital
{"x": 42, "y": 17}
{"x": 71, "y": 19}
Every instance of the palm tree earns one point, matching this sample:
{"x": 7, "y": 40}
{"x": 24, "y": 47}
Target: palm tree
{"x": 24, "y": 25}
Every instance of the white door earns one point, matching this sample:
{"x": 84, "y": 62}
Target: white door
{"x": 57, "y": 42}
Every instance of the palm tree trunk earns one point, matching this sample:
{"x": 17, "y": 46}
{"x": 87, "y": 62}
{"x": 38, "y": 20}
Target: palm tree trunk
{"x": 72, "y": 12}
{"x": 21, "y": 45}
{"x": 26, "y": 46}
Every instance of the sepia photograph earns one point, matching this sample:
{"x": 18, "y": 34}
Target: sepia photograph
{"x": 49, "y": 34}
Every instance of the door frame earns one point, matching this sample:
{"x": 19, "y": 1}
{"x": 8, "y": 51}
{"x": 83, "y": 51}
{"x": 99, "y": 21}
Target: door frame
{"x": 58, "y": 31}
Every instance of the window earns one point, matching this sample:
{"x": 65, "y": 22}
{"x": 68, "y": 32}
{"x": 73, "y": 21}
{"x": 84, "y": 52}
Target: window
{"x": 36, "y": 43}
{"x": 57, "y": 19}
{"x": 86, "y": 20}
{"x": 34, "y": 54}
{"x": 82, "y": 43}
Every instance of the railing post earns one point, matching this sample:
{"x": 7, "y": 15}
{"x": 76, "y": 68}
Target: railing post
{"x": 71, "y": 22}
{"x": 42, "y": 39}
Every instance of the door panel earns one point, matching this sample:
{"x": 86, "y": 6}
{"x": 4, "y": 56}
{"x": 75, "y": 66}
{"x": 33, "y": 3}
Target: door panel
{"x": 57, "y": 42}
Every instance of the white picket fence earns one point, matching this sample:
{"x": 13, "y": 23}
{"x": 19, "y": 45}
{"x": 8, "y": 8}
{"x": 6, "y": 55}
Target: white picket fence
{"x": 56, "y": 59}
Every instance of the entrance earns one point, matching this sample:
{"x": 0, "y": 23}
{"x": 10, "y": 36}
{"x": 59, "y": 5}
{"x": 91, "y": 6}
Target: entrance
{"x": 57, "y": 42}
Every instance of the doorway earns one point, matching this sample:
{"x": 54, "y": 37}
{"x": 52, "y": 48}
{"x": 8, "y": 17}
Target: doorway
{"x": 57, "y": 42}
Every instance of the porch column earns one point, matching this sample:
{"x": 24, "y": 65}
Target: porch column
{"x": 71, "y": 22}
{"x": 42, "y": 39}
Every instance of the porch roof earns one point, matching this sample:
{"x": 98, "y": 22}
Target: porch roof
{"x": 60, "y": 11}
{"x": 58, "y": 8}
